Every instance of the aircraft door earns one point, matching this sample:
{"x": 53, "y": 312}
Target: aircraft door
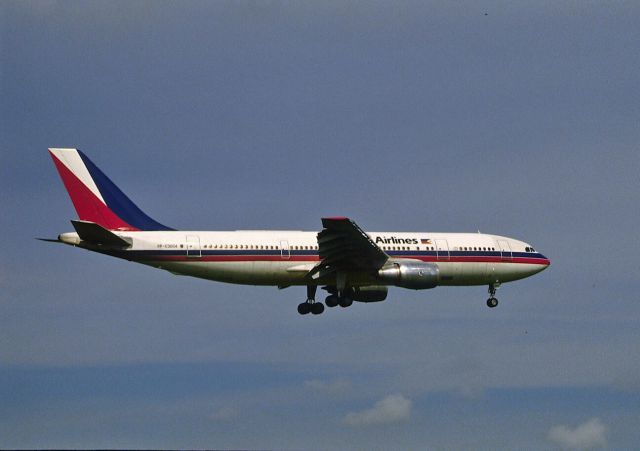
{"x": 193, "y": 246}
{"x": 442, "y": 247}
{"x": 505, "y": 250}
{"x": 285, "y": 253}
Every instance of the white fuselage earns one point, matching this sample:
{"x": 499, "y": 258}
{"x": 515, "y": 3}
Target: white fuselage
{"x": 284, "y": 258}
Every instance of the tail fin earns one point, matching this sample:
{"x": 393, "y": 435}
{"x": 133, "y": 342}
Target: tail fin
{"x": 95, "y": 197}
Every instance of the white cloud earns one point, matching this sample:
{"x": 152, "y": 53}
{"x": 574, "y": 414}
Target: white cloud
{"x": 392, "y": 409}
{"x": 334, "y": 386}
{"x": 588, "y": 435}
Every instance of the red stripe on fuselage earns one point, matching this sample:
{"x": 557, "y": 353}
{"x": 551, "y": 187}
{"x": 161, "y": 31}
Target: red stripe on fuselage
{"x": 312, "y": 258}
{"x": 87, "y": 205}
{"x": 228, "y": 258}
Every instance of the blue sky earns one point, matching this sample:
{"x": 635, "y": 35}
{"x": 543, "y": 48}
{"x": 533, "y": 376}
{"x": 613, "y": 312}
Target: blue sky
{"x": 515, "y": 119}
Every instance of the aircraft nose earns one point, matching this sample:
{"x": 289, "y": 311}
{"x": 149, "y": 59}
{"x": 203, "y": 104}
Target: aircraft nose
{"x": 545, "y": 262}
{"x": 546, "y": 259}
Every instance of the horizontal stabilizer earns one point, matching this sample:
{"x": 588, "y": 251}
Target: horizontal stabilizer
{"x": 96, "y": 234}
{"x": 50, "y": 240}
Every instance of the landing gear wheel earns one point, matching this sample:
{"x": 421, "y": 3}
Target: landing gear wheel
{"x": 331, "y": 301}
{"x": 304, "y": 308}
{"x": 492, "y": 301}
{"x": 345, "y": 302}
{"x": 317, "y": 308}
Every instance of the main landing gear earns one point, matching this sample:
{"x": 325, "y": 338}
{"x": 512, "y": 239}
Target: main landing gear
{"x": 310, "y": 305}
{"x": 334, "y": 299}
{"x": 340, "y": 294}
{"x": 492, "y": 301}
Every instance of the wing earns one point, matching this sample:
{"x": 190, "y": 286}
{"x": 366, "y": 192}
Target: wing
{"x": 345, "y": 246}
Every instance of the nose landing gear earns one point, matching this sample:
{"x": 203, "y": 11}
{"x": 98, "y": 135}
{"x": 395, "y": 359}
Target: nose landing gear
{"x": 492, "y": 301}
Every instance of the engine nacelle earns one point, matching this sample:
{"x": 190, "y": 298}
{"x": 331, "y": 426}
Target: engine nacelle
{"x": 372, "y": 293}
{"x": 415, "y": 275}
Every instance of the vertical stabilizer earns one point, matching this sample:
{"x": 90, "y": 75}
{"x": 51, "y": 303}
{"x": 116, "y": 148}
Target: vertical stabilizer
{"x": 95, "y": 197}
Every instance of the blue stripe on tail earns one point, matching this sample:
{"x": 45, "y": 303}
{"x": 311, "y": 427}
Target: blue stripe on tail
{"x": 118, "y": 202}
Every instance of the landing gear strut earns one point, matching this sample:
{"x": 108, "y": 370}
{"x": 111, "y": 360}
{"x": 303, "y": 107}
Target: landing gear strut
{"x": 492, "y": 301}
{"x": 310, "y": 305}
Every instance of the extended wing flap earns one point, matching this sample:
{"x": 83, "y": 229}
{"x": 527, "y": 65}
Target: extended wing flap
{"x": 345, "y": 246}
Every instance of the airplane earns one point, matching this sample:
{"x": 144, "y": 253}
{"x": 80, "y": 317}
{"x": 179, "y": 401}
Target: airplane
{"x": 347, "y": 262}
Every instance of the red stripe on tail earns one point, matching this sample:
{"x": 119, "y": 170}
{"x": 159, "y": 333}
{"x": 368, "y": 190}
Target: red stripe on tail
{"x": 88, "y": 206}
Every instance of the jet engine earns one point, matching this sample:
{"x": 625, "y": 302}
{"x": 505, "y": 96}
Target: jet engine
{"x": 407, "y": 274}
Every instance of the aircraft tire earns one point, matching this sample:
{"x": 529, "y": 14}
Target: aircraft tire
{"x": 492, "y": 302}
{"x": 331, "y": 301}
{"x": 317, "y": 308}
{"x": 345, "y": 302}
{"x": 304, "y": 308}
